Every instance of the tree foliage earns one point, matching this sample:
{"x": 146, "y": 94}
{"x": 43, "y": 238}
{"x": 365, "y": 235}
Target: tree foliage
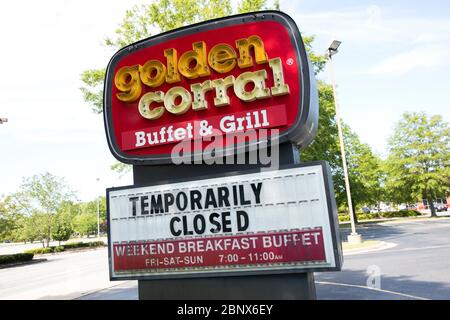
{"x": 93, "y": 90}
{"x": 45, "y": 192}
{"x": 256, "y": 5}
{"x": 62, "y": 227}
{"x": 91, "y": 206}
{"x": 85, "y": 223}
{"x": 364, "y": 169}
{"x": 39, "y": 199}
{"x": 44, "y": 209}
{"x": 418, "y": 165}
{"x": 11, "y": 219}
{"x": 7, "y": 221}
{"x": 326, "y": 145}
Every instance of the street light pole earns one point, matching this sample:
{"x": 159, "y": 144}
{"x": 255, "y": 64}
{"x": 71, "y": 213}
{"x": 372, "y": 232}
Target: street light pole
{"x": 98, "y": 214}
{"x": 354, "y": 237}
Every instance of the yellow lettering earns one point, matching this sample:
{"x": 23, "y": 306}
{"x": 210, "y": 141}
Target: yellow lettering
{"x": 172, "y": 95}
{"x": 199, "y": 90}
{"x": 172, "y": 75}
{"x": 153, "y": 73}
{"x": 259, "y": 90}
{"x": 128, "y": 81}
{"x": 280, "y": 88}
{"x": 193, "y": 63}
{"x": 222, "y": 58}
{"x": 221, "y": 85}
{"x": 245, "y": 60}
{"x": 144, "y": 105}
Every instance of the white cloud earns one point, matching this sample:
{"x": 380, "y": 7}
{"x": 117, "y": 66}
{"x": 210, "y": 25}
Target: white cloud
{"x": 419, "y": 57}
{"x": 369, "y": 25}
{"x": 413, "y": 41}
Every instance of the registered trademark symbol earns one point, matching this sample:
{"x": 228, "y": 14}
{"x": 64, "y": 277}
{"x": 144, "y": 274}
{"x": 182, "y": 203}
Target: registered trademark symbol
{"x": 290, "y": 61}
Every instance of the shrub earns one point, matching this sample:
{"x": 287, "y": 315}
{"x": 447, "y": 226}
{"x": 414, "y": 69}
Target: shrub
{"x": 399, "y": 214}
{"x": 13, "y": 258}
{"x": 74, "y": 245}
{"x": 96, "y": 244}
{"x": 67, "y": 246}
{"x": 40, "y": 250}
{"x": 369, "y": 216}
{"x": 366, "y": 216}
{"x": 360, "y": 216}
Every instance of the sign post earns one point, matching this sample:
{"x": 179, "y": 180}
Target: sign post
{"x": 211, "y": 214}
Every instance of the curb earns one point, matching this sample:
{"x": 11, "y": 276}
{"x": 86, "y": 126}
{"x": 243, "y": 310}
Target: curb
{"x": 364, "y": 223}
{"x": 394, "y": 221}
{"x": 377, "y": 247}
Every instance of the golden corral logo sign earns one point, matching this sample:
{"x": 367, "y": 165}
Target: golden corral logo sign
{"x": 246, "y": 76}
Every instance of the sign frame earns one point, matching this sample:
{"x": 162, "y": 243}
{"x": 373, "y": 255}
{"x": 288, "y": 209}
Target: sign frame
{"x": 332, "y": 217}
{"x": 301, "y": 132}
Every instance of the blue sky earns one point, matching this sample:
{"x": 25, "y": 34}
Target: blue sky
{"x": 394, "y": 57}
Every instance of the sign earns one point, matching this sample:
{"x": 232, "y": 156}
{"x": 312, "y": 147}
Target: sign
{"x": 260, "y": 222}
{"x": 247, "y": 77}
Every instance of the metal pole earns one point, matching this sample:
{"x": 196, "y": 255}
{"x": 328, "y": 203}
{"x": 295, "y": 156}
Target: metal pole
{"x": 98, "y": 218}
{"x": 354, "y": 237}
{"x": 98, "y": 215}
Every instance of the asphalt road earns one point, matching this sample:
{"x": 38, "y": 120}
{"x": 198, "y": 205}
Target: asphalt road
{"x": 66, "y": 275}
{"x": 417, "y": 267}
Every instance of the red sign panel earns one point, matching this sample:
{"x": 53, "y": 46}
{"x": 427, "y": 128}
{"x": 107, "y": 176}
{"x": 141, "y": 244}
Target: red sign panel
{"x": 241, "y": 74}
{"x": 257, "y": 249}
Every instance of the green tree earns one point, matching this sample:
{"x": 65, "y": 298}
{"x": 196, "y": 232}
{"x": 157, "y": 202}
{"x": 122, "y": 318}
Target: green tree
{"x": 85, "y": 223}
{"x": 326, "y": 144}
{"x": 69, "y": 209}
{"x": 256, "y": 5}
{"x": 7, "y": 221}
{"x": 418, "y": 165}
{"x": 91, "y": 206}
{"x": 39, "y": 199}
{"x": 15, "y": 212}
{"x": 34, "y": 227}
{"x": 364, "y": 170}
{"x": 62, "y": 227}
